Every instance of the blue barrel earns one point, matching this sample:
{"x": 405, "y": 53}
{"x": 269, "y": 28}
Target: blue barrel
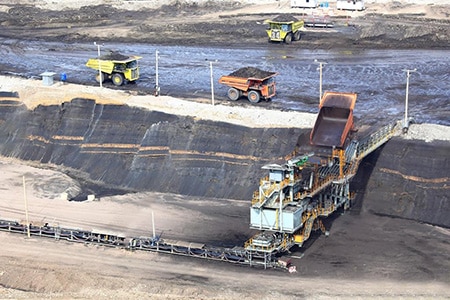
{"x": 63, "y": 77}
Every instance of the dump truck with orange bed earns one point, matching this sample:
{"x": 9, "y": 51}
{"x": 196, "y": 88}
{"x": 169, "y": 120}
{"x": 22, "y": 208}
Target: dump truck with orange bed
{"x": 334, "y": 121}
{"x": 251, "y": 82}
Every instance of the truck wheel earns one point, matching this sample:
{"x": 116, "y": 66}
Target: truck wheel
{"x": 253, "y": 96}
{"x": 234, "y": 94}
{"x": 117, "y": 79}
{"x": 288, "y": 38}
{"x": 297, "y": 35}
{"x": 97, "y": 77}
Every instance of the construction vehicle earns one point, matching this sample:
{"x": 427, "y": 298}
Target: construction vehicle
{"x": 115, "y": 66}
{"x": 284, "y": 29}
{"x": 251, "y": 82}
{"x": 314, "y": 182}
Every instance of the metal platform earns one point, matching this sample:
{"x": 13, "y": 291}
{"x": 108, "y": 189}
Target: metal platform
{"x": 293, "y": 198}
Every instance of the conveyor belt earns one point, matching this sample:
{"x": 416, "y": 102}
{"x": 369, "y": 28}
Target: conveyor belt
{"x": 237, "y": 255}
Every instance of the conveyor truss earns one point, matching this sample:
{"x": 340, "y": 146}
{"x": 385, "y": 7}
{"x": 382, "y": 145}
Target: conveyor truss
{"x": 236, "y": 254}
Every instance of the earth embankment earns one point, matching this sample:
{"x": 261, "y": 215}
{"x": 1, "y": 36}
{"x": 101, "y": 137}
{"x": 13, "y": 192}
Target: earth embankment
{"x": 133, "y": 149}
{"x": 116, "y": 148}
{"x": 410, "y": 180}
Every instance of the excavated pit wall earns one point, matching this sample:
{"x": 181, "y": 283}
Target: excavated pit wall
{"x": 410, "y": 180}
{"x": 140, "y": 150}
{"x": 134, "y": 149}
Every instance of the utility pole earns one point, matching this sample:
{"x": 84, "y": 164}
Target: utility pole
{"x": 406, "y": 122}
{"x": 153, "y": 226}
{"x": 212, "y": 82}
{"x": 321, "y": 63}
{"x": 157, "y": 89}
{"x": 26, "y": 207}
{"x": 100, "y": 76}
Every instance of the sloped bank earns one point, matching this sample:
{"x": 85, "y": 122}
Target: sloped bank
{"x": 134, "y": 149}
{"x": 411, "y": 180}
{"x": 140, "y": 150}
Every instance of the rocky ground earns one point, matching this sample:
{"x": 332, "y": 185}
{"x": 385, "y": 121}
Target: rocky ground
{"x": 367, "y": 255}
{"x": 224, "y": 23}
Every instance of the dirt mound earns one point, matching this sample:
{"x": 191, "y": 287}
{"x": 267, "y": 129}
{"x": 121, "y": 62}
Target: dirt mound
{"x": 113, "y": 55}
{"x": 285, "y": 18}
{"x": 251, "y": 72}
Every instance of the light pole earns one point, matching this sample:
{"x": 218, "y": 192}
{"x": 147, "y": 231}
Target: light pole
{"x": 406, "y": 122}
{"x": 321, "y": 63}
{"x": 212, "y": 81}
{"x": 100, "y": 77}
{"x": 26, "y": 207}
{"x": 157, "y": 89}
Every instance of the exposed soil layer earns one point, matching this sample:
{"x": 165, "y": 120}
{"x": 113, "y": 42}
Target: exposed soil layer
{"x": 137, "y": 150}
{"x": 126, "y": 148}
{"x": 410, "y": 181}
{"x": 196, "y": 24}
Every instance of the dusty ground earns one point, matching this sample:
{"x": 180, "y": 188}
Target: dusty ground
{"x": 390, "y": 259}
{"x": 224, "y": 23}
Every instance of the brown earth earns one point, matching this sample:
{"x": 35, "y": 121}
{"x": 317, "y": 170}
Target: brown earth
{"x": 365, "y": 256}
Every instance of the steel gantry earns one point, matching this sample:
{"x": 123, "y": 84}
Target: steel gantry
{"x": 292, "y": 199}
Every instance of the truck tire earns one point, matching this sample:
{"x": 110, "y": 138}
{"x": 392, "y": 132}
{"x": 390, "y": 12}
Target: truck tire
{"x": 288, "y": 38}
{"x": 117, "y": 79}
{"x": 253, "y": 96}
{"x": 97, "y": 77}
{"x": 234, "y": 94}
{"x": 297, "y": 35}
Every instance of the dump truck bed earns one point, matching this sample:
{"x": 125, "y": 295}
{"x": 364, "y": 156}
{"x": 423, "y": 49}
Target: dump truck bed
{"x": 107, "y": 62}
{"x": 241, "y": 83}
{"x": 335, "y": 119}
{"x": 250, "y": 78}
{"x": 248, "y": 73}
{"x": 237, "y": 82}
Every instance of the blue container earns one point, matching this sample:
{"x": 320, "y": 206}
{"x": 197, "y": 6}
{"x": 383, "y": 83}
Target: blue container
{"x": 63, "y": 77}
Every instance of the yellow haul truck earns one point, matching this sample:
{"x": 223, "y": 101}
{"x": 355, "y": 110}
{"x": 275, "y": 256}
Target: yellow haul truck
{"x": 115, "y": 66}
{"x": 284, "y": 31}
